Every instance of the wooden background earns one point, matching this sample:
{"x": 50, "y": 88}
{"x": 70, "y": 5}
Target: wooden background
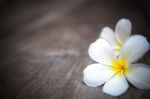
{"x": 44, "y": 45}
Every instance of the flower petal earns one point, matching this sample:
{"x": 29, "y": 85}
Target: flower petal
{"x": 116, "y": 86}
{"x": 134, "y": 48}
{"x": 109, "y": 35}
{"x": 123, "y": 30}
{"x": 139, "y": 76}
{"x": 101, "y": 51}
{"x": 96, "y": 74}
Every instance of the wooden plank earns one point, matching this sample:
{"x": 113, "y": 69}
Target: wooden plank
{"x": 44, "y": 47}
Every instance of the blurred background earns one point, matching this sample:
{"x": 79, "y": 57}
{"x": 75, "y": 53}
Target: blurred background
{"x": 44, "y": 45}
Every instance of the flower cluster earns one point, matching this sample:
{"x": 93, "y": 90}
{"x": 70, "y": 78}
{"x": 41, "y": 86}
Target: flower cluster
{"x": 116, "y": 54}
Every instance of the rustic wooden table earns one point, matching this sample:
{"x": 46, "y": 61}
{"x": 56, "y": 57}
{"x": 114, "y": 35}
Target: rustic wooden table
{"x": 44, "y": 46}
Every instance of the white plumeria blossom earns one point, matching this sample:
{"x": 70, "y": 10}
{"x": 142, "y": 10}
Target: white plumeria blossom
{"x": 117, "y": 39}
{"x": 116, "y": 71}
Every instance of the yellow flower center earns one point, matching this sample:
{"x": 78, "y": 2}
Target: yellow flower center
{"x": 120, "y": 67}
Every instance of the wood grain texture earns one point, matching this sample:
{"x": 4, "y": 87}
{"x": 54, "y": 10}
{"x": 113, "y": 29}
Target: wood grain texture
{"x": 44, "y": 46}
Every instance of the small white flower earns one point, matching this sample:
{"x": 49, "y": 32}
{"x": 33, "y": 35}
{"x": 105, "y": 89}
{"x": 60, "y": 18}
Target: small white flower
{"x": 113, "y": 71}
{"x": 117, "y": 39}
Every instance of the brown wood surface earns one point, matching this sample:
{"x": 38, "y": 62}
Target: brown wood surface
{"x": 44, "y": 46}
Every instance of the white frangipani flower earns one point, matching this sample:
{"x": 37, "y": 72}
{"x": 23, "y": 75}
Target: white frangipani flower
{"x": 117, "y": 39}
{"x": 115, "y": 72}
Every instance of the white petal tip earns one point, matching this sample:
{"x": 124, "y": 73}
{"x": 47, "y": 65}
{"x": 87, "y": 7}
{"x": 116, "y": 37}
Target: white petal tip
{"x": 125, "y": 20}
{"x": 101, "y": 52}
{"x": 123, "y": 30}
{"x": 116, "y": 86}
{"x": 106, "y": 28}
{"x": 96, "y": 74}
{"x": 115, "y": 93}
{"x": 134, "y": 48}
{"x": 139, "y": 76}
{"x": 104, "y": 31}
{"x": 91, "y": 75}
{"x": 89, "y": 84}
